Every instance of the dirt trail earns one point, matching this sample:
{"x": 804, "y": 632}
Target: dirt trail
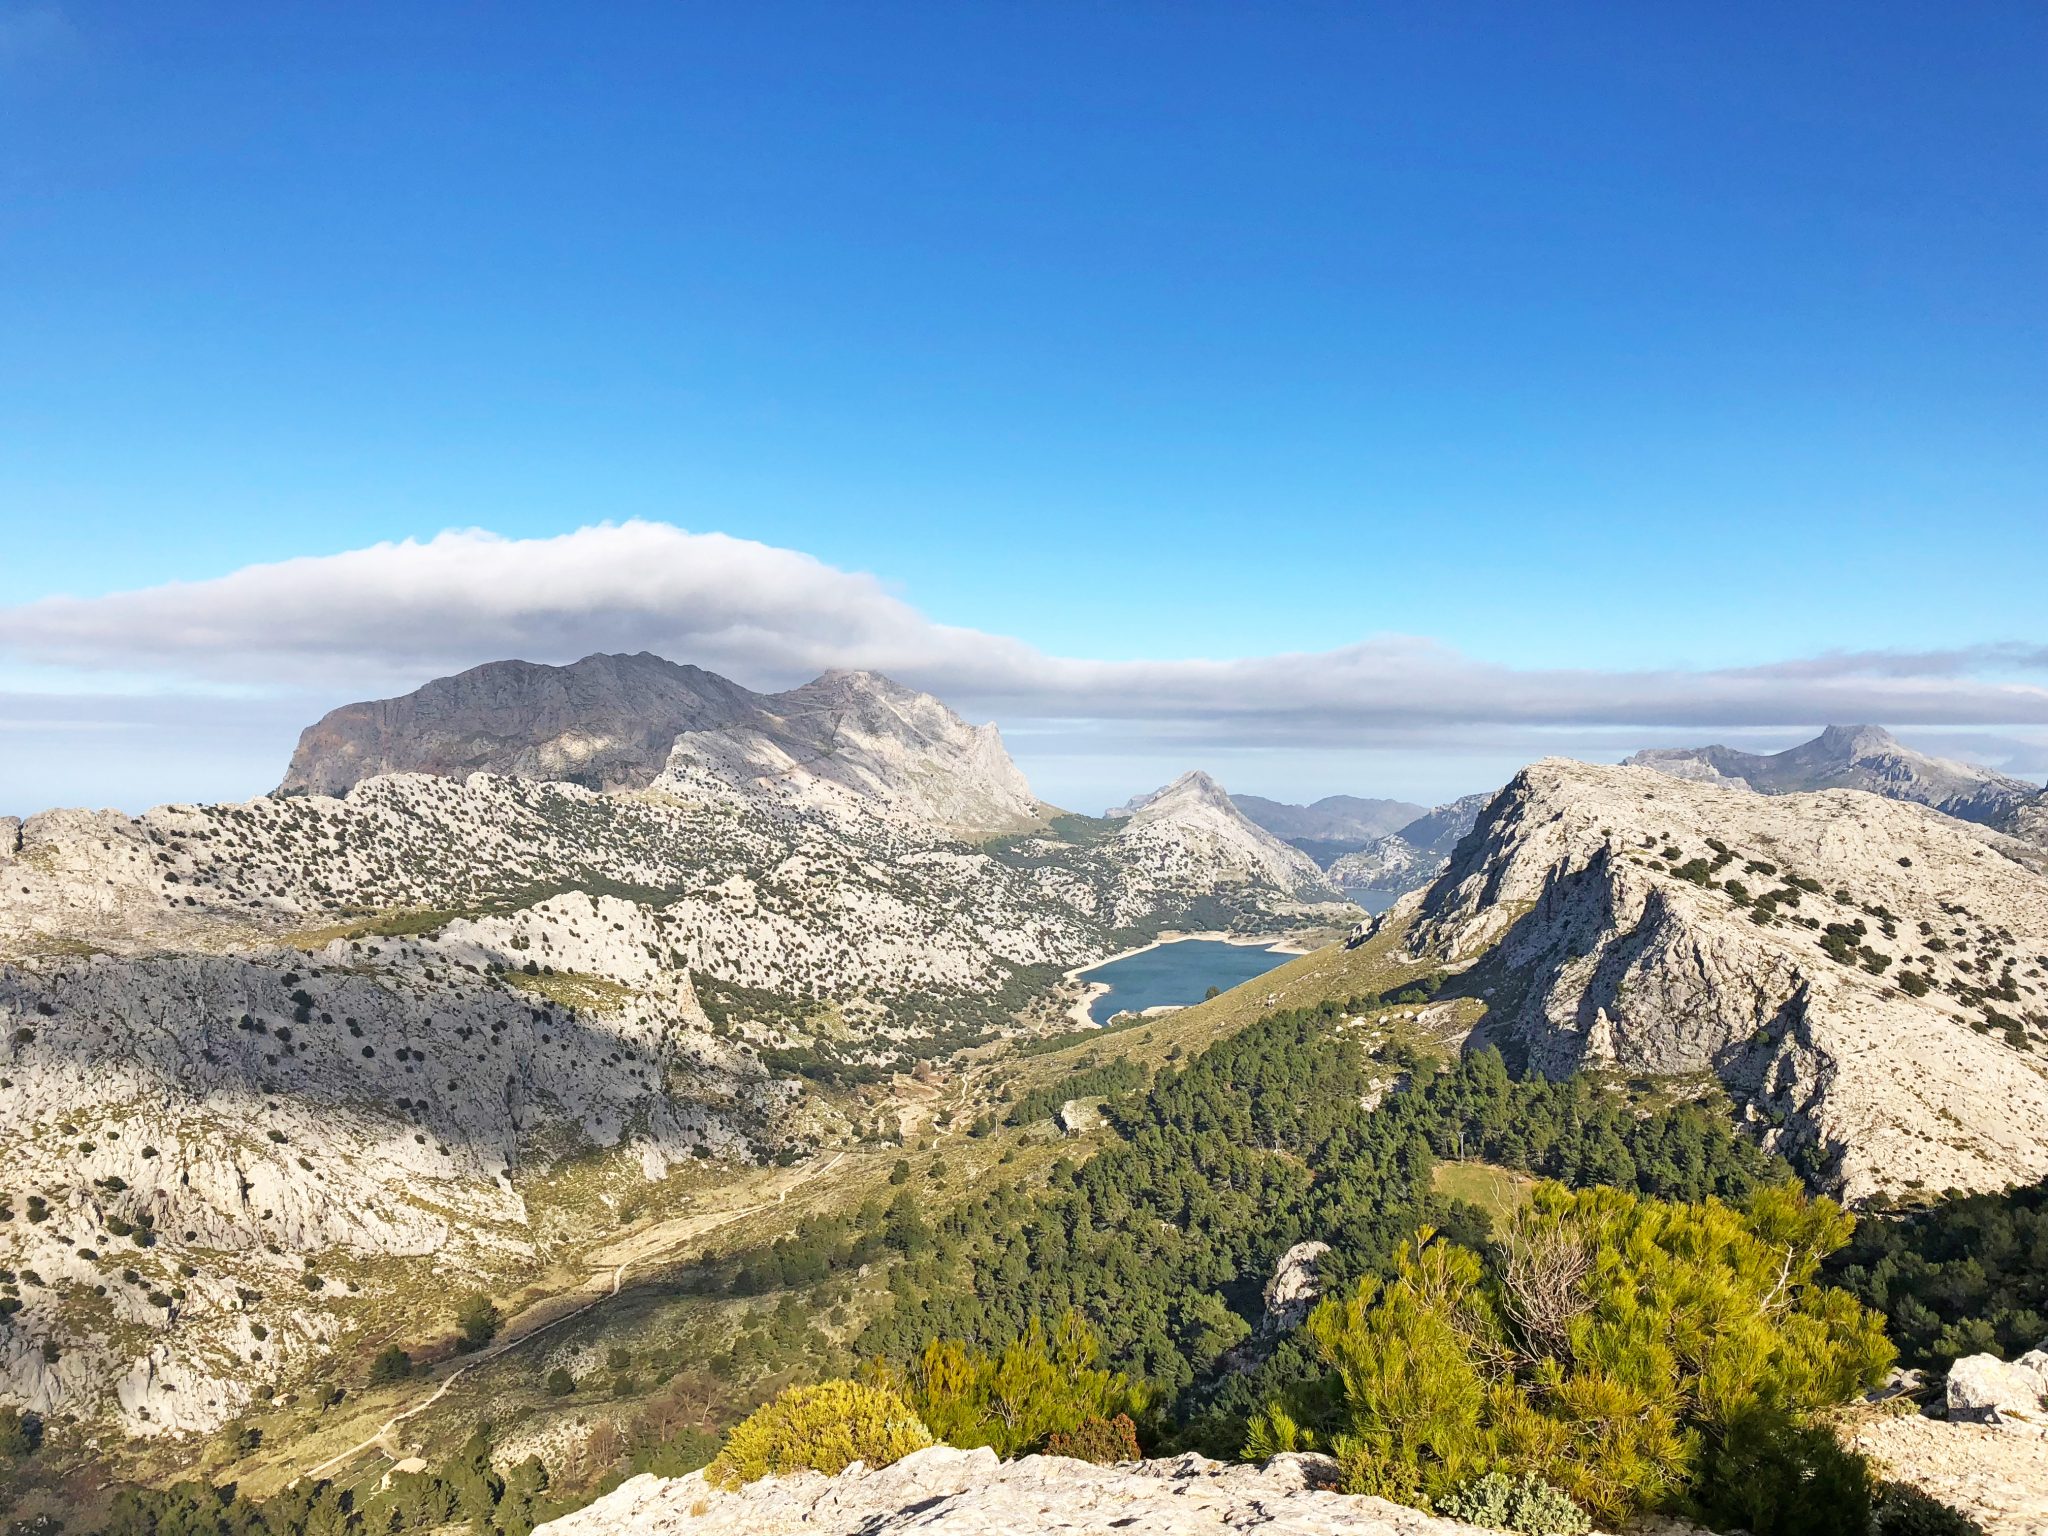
{"x": 640, "y": 1248}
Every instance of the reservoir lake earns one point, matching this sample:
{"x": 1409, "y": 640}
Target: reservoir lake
{"x": 1175, "y": 974}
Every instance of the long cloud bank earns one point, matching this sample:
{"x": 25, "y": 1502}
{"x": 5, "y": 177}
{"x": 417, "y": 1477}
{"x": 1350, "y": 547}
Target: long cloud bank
{"x": 386, "y": 618}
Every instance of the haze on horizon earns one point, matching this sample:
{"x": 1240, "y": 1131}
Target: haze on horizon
{"x": 1341, "y": 403}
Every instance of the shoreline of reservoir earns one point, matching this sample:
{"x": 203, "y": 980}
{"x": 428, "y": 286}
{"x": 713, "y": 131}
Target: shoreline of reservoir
{"x": 1093, "y": 991}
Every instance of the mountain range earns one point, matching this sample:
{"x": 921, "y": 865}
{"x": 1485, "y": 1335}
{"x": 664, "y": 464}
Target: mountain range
{"x": 536, "y": 952}
{"x": 1331, "y": 826}
{"x": 1865, "y": 757}
{"x": 250, "y": 1045}
{"x": 620, "y": 722}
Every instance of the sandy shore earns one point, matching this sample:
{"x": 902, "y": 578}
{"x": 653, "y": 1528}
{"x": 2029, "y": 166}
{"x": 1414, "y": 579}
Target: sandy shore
{"x": 1091, "y": 990}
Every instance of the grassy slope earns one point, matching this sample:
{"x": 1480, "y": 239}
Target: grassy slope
{"x": 754, "y": 1207}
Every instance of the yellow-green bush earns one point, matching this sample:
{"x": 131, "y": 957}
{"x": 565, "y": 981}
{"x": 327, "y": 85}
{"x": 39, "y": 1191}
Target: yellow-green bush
{"x": 1635, "y": 1353}
{"x": 1042, "y": 1384}
{"x": 825, "y": 1428}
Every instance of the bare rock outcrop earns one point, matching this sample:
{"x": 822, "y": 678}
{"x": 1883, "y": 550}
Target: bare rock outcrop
{"x": 1868, "y": 978}
{"x": 859, "y": 735}
{"x": 606, "y": 722}
{"x": 1295, "y": 1283}
{"x": 1192, "y": 830}
{"x": 2027, "y": 821}
{"x": 1991, "y": 1476}
{"x": 2010, "y": 1394}
{"x": 948, "y": 1492}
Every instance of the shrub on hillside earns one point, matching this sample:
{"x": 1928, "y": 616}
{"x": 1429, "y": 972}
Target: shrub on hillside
{"x": 392, "y": 1364}
{"x": 20, "y": 1433}
{"x": 1902, "y": 1510}
{"x": 1526, "y": 1504}
{"x": 479, "y": 1319}
{"x": 1636, "y": 1353}
{"x": 1040, "y": 1385}
{"x": 825, "y": 1428}
{"x": 1102, "y": 1441}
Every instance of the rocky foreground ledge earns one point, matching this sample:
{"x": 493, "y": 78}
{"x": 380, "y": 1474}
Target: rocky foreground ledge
{"x": 1992, "y": 1475}
{"x": 948, "y": 1492}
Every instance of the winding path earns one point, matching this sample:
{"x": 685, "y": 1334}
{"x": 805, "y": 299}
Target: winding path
{"x": 376, "y": 1441}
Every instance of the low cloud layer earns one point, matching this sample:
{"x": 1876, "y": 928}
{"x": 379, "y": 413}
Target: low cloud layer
{"x": 384, "y": 619}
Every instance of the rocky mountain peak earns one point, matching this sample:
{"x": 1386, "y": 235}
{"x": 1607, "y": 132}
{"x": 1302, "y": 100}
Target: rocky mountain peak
{"x": 847, "y": 739}
{"x": 1193, "y": 788}
{"x": 850, "y": 688}
{"x": 1194, "y": 819}
{"x": 1853, "y": 742}
{"x": 605, "y": 722}
{"x": 862, "y": 741}
{"x": 1865, "y": 757}
{"x": 1825, "y": 955}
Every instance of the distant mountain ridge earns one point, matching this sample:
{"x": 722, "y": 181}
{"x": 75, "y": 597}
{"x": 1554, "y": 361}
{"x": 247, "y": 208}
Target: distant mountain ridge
{"x": 1342, "y": 822}
{"x": 613, "y": 722}
{"x": 1865, "y": 757}
{"x": 1410, "y": 858}
{"x": 605, "y": 722}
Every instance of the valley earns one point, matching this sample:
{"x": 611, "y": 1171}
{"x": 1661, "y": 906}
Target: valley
{"x": 347, "y": 1134}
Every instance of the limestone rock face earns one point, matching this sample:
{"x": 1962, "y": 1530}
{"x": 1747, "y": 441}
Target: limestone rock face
{"x": 1992, "y": 1476}
{"x": 1983, "y": 1389}
{"x": 615, "y": 722}
{"x": 2027, "y": 820}
{"x": 1295, "y": 1284}
{"x": 1410, "y": 858}
{"x": 948, "y": 1492}
{"x": 1868, "y": 978}
{"x": 859, "y": 735}
{"x": 205, "y": 1153}
{"x": 605, "y": 722}
{"x": 1192, "y": 830}
{"x": 1864, "y": 757}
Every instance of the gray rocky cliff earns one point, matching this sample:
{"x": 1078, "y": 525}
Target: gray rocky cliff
{"x": 1864, "y": 977}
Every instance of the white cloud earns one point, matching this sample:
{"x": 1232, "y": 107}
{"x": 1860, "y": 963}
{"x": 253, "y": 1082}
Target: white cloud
{"x": 386, "y": 618}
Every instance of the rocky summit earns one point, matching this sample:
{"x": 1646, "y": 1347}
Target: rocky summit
{"x": 620, "y": 722}
{"x": 606, "y": 722}
{"x": 1867, "y": 978}
{"x": 1865, "y": 757}
{"x": 949, "y": 1492}
{"x": 1192, "y": 824}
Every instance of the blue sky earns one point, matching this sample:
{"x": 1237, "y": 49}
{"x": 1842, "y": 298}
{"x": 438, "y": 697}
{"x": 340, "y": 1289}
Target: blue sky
{"x": 1570, "y": 337}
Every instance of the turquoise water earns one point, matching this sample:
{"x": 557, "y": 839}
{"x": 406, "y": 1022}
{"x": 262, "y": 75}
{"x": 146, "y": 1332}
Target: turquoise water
{"x": 1175, "y": 974}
